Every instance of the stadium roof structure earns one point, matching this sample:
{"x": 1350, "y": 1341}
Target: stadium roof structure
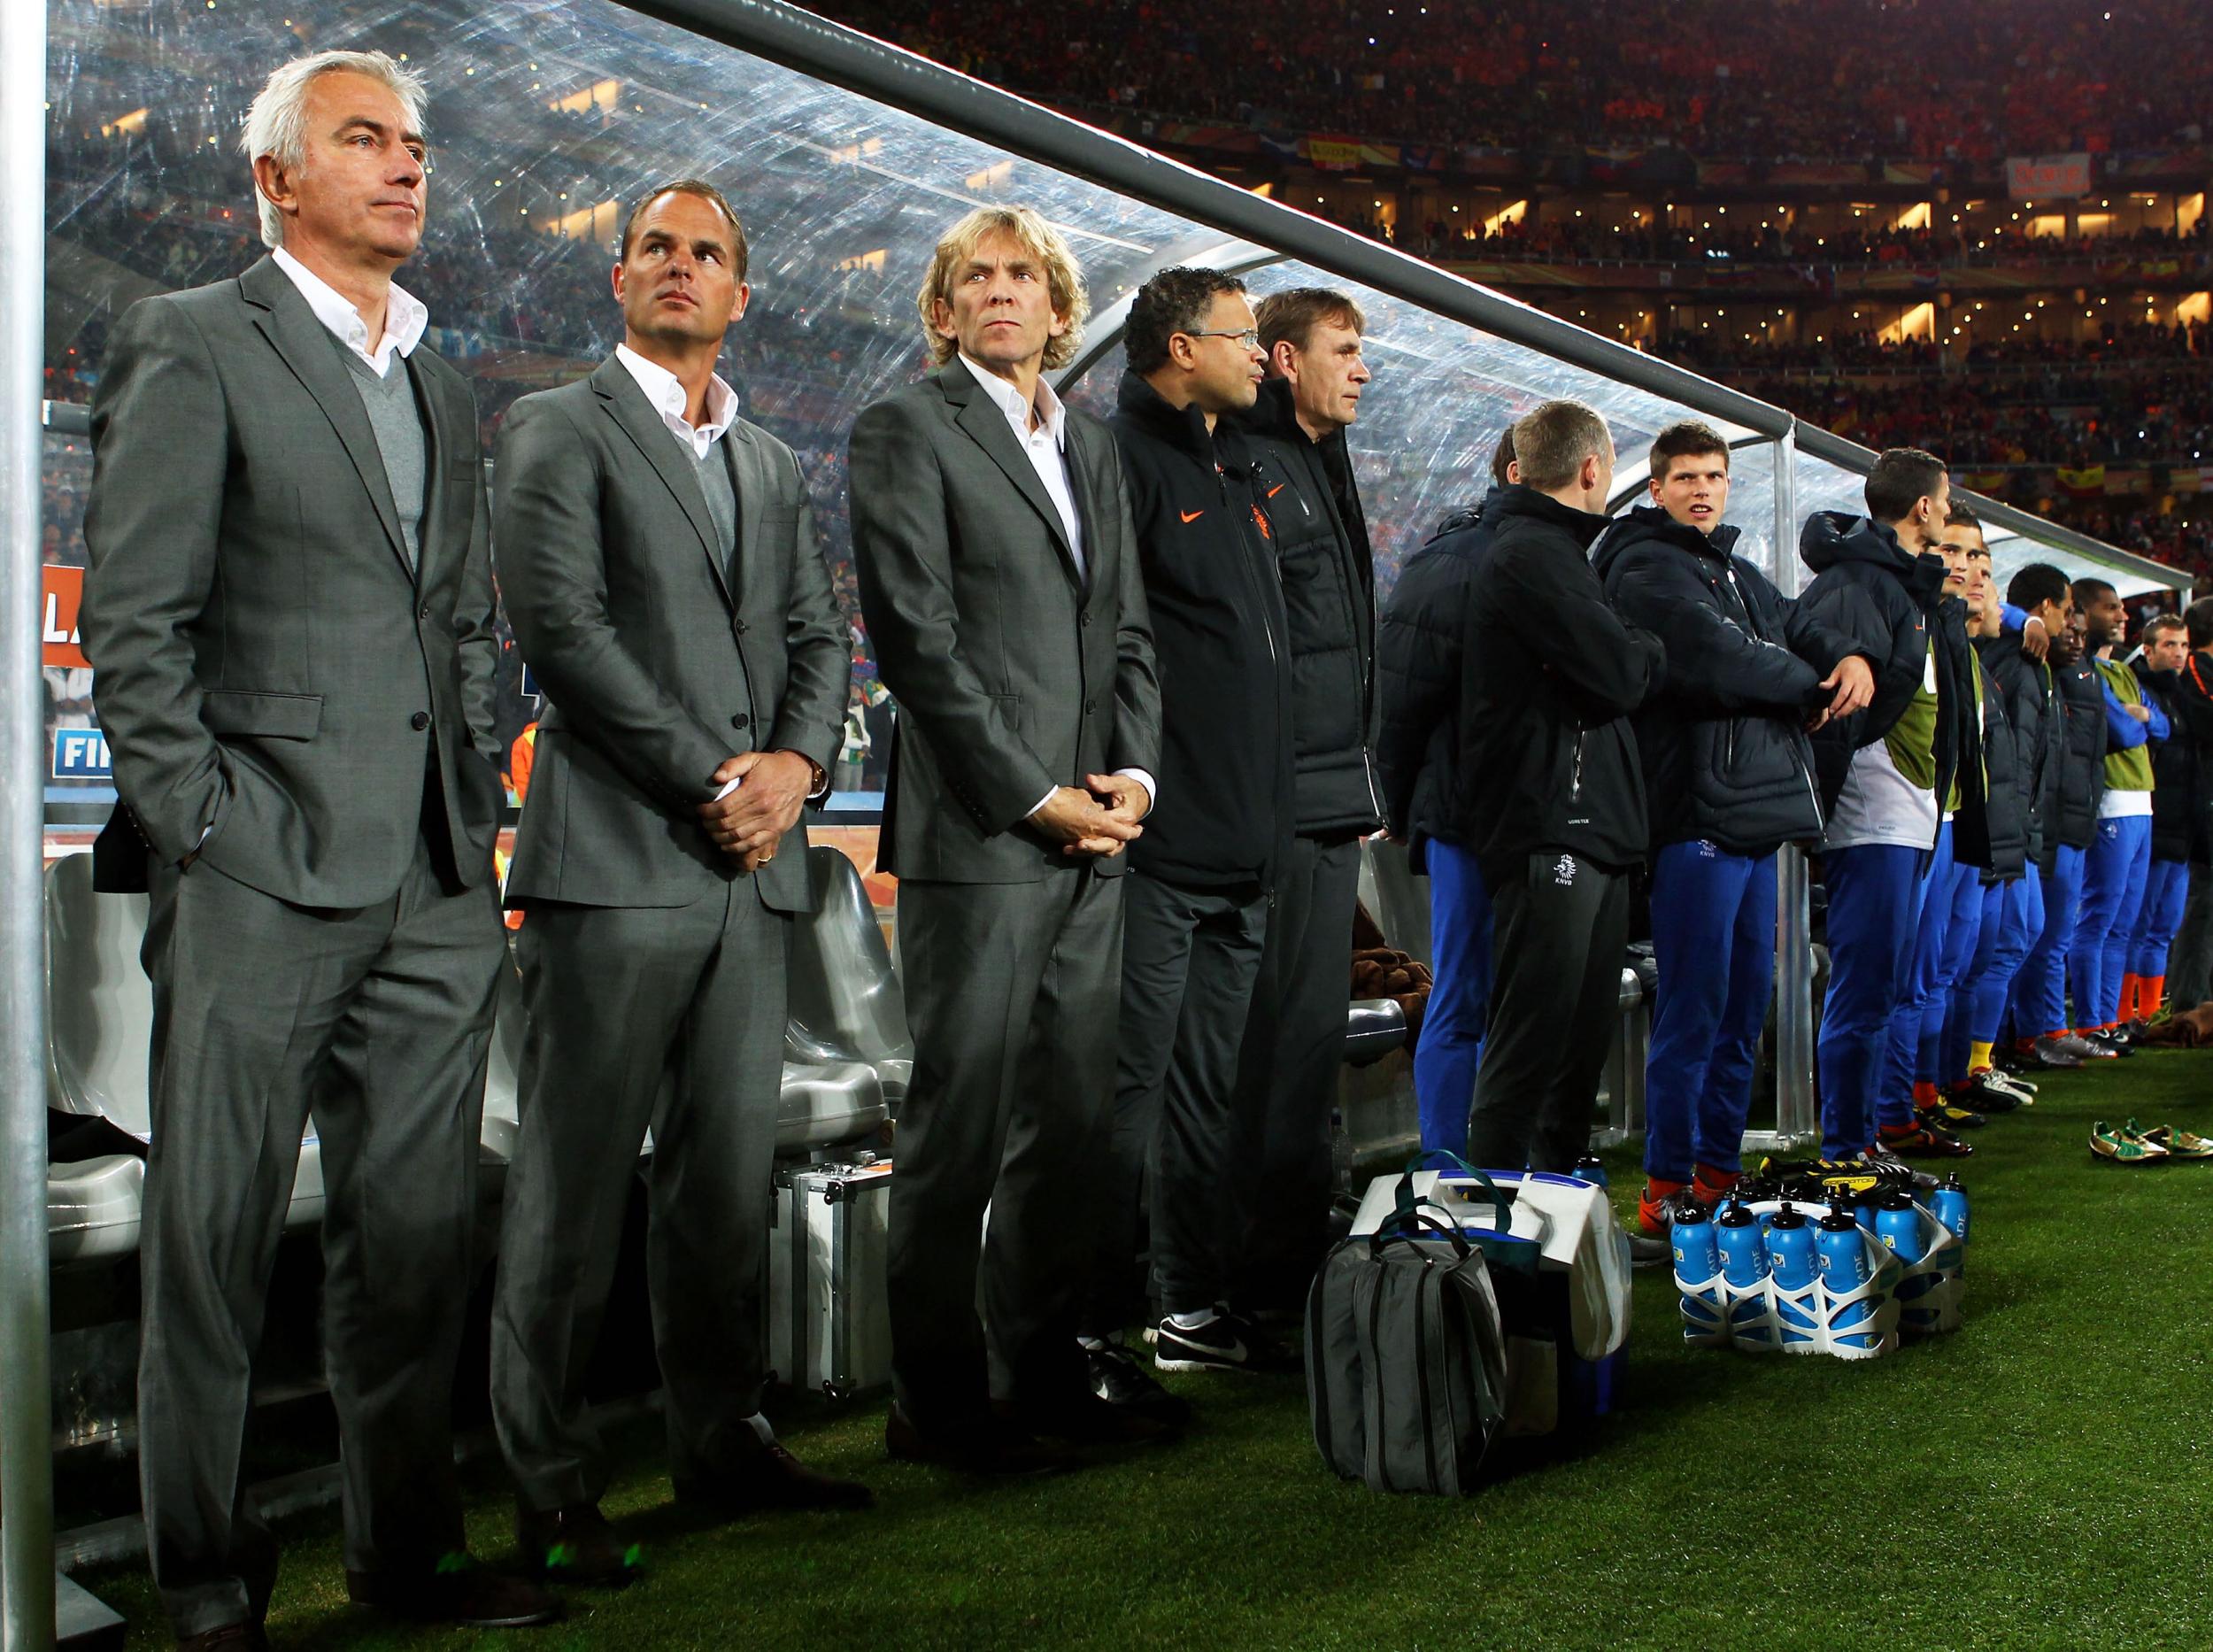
{"x": 1454, "y": 360}
{"x": 847, "y": 157}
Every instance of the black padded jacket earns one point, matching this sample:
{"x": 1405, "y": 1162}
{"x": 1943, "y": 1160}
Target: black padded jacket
{"x": 1550, "y": 674}
{"x": 2082, "y": 754}
{"x": 1417, "y": 678}
{"x": 1329, "y": 584}
{"x": 1724, "y": 746}
{"x": 1204, "y": 544}
{"x": 1868, "y": 586}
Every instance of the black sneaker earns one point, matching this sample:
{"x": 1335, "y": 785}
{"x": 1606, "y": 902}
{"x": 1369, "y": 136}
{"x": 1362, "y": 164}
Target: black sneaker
{"x": 2111, "y": 1040}
{"x": 1228, "y": 1343}
{"x": 1121, "y": 1379}
{"x": 1986, "y": 1092}
{"x": 1646, "y": 1252}
{"x": 1898, "y": 1169}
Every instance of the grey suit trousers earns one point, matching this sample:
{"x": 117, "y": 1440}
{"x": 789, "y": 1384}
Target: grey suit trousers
{"x": 377, "y": 1019}
{"x": 1012, "y": 992}
{"x": 621, "y": 999}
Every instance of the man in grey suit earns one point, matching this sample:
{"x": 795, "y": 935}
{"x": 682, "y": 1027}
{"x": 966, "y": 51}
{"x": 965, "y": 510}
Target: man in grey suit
{"x": 999, "y": 579}
{"x": 290, "y": 613}
{"x": 659, "y": 560}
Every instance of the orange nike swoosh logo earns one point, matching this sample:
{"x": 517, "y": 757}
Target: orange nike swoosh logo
{"x": 1193, "y": 516}
{"x": 1277, "y": 488}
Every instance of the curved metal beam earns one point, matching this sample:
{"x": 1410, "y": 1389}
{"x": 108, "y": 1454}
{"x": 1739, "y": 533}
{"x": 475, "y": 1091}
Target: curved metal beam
{"x": 1850, "y": 456}
{"x": 875, "y": 69}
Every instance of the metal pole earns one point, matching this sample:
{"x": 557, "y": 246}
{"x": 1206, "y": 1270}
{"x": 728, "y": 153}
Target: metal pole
{"x": 26, "y": 1484}
{"x": 1850, "y": 455}
{"x": 1795, "y": 1119}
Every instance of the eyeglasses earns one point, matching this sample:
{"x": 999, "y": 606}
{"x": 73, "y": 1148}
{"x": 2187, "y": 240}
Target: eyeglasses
{"x": 1249, "y": 339}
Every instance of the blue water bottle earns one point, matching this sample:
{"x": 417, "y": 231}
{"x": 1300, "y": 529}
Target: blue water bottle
{"x": 1898, "y": 1225}
{"x": 1744, "y": 1265}
{"x": 1591, "y": 1169}
{"x": 1840, "y": 1252}
{"x": 1948, "y": 1205}
{"x": 1697, "y": 1261}
{"x": 1791, "y": 1258}
{"x": 1691, "y": 1237}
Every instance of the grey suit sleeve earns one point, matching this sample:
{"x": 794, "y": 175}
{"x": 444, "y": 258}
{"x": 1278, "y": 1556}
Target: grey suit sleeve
{"x": 477, "y": 612}
{"x": 160, "y": 439}
{"x": 903, "y": 554}
{"x": 818, "y": 662}
{"x": 1136, "y": 679}
{"x": 552, "y": 567}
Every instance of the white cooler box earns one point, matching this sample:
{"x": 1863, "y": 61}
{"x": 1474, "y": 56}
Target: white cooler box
{"x": 829, "y": 1320}
{"x": 1583, "y": 1262}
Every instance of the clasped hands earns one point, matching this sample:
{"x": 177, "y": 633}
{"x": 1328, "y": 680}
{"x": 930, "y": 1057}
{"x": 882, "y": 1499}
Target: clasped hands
{"x": 749, "y": 823}
{"x": 1098, "y": 819}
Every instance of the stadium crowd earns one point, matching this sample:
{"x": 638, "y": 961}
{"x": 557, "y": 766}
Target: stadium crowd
{"x": 1149, "y": 708}
{"x": 1573, "y": 240}
{"x": 1802, "y": 78}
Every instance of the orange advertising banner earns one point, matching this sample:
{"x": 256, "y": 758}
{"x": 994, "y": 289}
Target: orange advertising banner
{"x": 57, "y": 622}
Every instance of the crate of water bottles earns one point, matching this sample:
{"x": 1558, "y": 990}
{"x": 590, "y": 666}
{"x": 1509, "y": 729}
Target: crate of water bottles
{"x": 1792, "y": 1277}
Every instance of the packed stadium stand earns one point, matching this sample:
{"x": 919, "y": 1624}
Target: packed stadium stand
{"x": 1809, "y": 213}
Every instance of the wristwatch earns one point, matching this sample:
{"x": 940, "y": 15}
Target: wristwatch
{"x": 817, "y": 779}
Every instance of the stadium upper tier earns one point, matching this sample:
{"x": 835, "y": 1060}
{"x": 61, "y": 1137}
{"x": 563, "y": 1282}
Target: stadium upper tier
{"x": 546, "y": 119}
{"x": 1769, "y": 81}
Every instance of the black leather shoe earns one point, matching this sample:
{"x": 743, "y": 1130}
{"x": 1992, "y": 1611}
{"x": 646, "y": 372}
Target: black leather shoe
{"x": 774, "y": 1480}
{"x": 1120, "y": 1378}
{"x": 1082, "y": 1419}
{"x": 574, "y": 1545}
{"x": 993, "y": 1449}
{"x": 460, "y": 1592}
{"x": 226, "y": 1638}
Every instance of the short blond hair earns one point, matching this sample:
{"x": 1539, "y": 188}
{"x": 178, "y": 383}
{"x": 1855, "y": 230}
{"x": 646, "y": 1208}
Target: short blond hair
{"x": 1551, "y": 444}
{"x": 1064, "y": 280}
{"x": 277, "y": 122}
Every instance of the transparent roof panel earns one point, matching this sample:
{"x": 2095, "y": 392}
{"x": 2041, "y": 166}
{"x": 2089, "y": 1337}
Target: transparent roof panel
{"x": 548, "y": 118}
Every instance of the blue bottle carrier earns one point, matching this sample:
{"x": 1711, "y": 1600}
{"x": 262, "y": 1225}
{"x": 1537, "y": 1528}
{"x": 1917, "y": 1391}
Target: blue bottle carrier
{"x": 1910, "y": 1298}
{"x": 1560, "y": 1264}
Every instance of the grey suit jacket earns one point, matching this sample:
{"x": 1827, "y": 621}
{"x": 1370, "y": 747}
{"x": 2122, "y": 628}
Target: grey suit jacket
{"x": 1013, "y": 673}
{"x": 264, "y": 659}
{"x": 655, "y": 669}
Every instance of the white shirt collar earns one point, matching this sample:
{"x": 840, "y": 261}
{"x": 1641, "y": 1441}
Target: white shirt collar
{"x": 666, "y": 391}
{"x": 1050, "y": 412}
{"x": 406, "y": 316}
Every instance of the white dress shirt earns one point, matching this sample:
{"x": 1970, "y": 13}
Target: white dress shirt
{"x": 666, "y": 391}
{"x": 1046, "y": 447}
{"x": 404, "y": 315}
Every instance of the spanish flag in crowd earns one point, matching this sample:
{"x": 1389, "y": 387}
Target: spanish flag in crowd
{"x": 2081, "y": 483}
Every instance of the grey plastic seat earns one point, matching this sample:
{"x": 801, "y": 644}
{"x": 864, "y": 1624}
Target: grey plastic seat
{"x": 502, "y": 1084}
{"x": 1374, "y": 1027}
{"x": 845, "y": 1002}
{"x": 99, "y": 1037}
{"x": 823, "y": 1103}
{"x": 101, "y": 1016}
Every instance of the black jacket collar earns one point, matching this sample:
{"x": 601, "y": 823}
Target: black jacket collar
{"x": 1582, "y": 526}
{"x": 1183, "y": 428}
{"x": 1648, "y": 523}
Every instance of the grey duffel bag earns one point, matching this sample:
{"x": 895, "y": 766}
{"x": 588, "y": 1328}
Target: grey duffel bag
{"x": 1406, "y": 1362}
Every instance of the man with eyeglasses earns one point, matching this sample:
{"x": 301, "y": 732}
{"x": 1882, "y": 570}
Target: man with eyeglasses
{"x": 1197, "y": 897}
